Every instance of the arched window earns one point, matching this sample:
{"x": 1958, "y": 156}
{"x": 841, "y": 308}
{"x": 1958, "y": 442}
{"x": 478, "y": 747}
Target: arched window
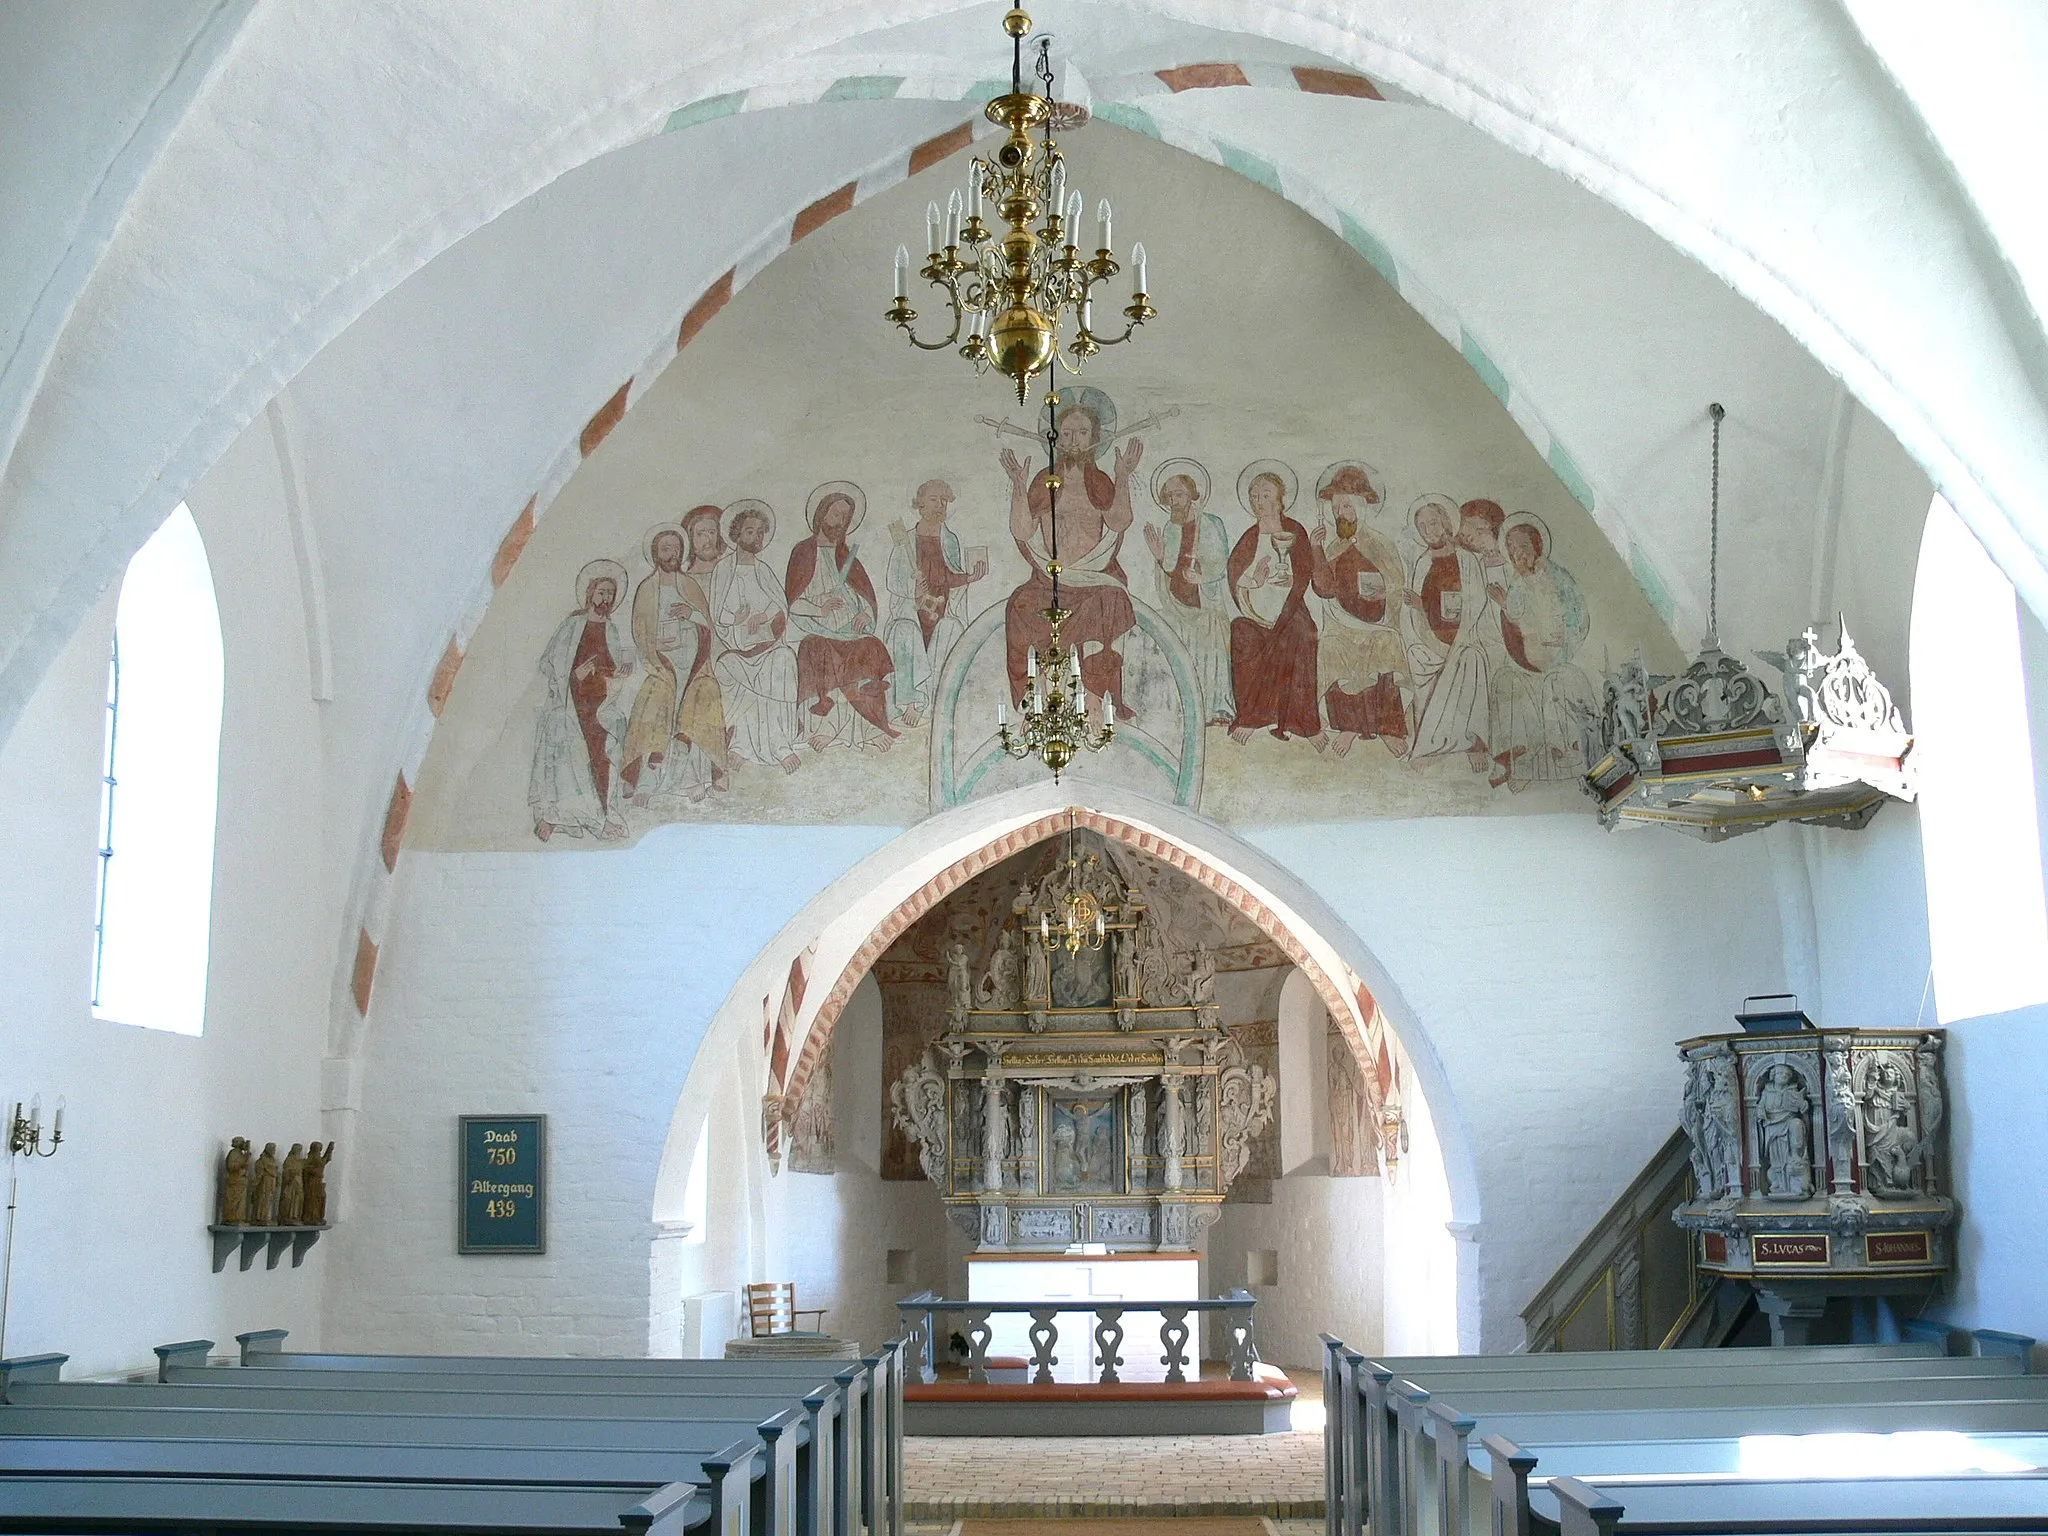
{"x": 1987, "y": 922}
{"x": 162, "y": 777}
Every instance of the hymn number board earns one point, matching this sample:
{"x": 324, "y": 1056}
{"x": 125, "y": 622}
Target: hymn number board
{"x": 502, "y": 1206}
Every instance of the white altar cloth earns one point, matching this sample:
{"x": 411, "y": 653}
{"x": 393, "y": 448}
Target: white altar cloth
{"x": 1089, "y": 1278}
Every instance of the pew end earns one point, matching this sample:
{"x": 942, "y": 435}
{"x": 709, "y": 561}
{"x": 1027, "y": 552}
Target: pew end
{"x": 188, "y": 1352}
{"x": 264, "y": 1342}
{"x": 1583, "y": 1509}
{"x": 667, "y": 1511}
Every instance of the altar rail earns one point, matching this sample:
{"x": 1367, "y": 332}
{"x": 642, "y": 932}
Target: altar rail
{"x": 920, "y": 1315}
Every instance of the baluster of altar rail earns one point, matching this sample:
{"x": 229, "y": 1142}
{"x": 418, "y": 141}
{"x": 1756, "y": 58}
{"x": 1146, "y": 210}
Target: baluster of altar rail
{"x": 979, "y": 1331}
{"x": 1584, "y": 1509}
{"x": 1045, "y": 1332}
{"x": 1109, "y": 1339}
{"x": 1240, "y": 1348}
{"x": 1450, "y": 1429}
{"x": 1511, "y": 1468}
{"x": 920, "y": 1332}
{"x": 1173, "y": 1337}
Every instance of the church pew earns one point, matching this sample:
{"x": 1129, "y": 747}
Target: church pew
{"x": 1444, "y": 1480}
{"x": 40, "y": 1501}
{"x": 787, "y": 1496}
{"x": 1761, "y": 1507}
{"x": 855, "y": 1446}
{"x": 1348, "y": 1476}
{"x": 882, "y": 1425}
{"x": 1430, "y": 1433}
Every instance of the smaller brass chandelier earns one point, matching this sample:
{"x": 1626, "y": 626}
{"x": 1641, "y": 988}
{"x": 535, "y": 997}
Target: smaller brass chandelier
{"x": 1009, "y": 296}
{"x": 1082, "y": 921}
{"x": 1056, "y": 727}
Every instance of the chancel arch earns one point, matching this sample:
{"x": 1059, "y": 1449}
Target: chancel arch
{"x": 1376, "y": 1069}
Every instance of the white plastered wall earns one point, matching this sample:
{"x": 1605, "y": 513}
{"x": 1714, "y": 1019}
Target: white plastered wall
{"x": 111, "y": 1256}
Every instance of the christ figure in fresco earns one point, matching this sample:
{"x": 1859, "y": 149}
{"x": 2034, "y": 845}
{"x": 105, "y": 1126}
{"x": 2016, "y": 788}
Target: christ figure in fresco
{"x": 757, "y": 678}
{"x": 1360, "y": 663}
{"x": 1454, "y": 602}
{"x": 672, "y": 636}
{"x": 1094, "y": 510}
{"x": 842, "y": 666}
{"x": 570, "y": 787}
{"x": 1273, "y": 641}
{"x": 926, "y": 567}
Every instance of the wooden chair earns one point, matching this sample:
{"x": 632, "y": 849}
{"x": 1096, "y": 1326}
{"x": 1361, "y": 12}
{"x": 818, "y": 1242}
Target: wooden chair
{"x": 772, "y": 1308}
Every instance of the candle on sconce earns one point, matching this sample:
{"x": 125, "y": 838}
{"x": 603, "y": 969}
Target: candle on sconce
{"x": 1075, "y": 203}
{"x": 1103, "y": 238}
{"x": 1138, "y": 268}
{"x": 974, "y": 189}
{"x": 57, "y": 1125}
{"x": 931, "y": 228}
{"x": 902, "y": 272}
{"x": 1087, "y": 314}
{"x": 1059, "y": 187}
{"x": 953, "y": 217}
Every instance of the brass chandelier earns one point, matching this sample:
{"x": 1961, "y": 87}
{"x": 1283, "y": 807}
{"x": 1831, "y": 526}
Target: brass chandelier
{"x": 1056, "y": 725}
{"x": 1083, "y": 922}
{"x": 1010, "y": 297}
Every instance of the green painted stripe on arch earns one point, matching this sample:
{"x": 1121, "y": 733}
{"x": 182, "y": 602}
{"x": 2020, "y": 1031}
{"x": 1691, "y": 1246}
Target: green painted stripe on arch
{"x": 1567, "y": 470}
{"x": 1251, "y": 167}
{"x": 1488, "y": 371}
{"x": 1651, "y": 583}
{"x": 863, "y": 88}
{"x": 1124, "y": 115}
{"x": 1361, "y": 240}
{"x": 704, "y": 111}
{"x": 986, "y": 90}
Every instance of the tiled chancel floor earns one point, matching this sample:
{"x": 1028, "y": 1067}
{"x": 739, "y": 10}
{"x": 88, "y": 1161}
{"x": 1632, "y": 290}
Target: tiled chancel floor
{"x": 1279, "y": 1476}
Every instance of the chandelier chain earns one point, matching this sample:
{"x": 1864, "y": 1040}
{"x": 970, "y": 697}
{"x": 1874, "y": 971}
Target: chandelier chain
{"x": 1714, "y": 530}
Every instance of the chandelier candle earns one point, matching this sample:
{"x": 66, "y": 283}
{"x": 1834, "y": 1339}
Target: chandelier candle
{"x": 1013, "y": 294}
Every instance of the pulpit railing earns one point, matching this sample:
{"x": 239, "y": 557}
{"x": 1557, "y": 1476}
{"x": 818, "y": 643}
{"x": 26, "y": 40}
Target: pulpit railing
{"x": 921, "y": 1314}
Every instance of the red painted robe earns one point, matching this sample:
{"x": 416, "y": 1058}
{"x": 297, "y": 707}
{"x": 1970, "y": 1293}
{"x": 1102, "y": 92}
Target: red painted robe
{"x": 590, "y": 676}
{"x": 1101, "y": 613}
{"x": 858, "y": 668}
{"x": 1377, "y": 710}
{"x": 1273, "y": 671}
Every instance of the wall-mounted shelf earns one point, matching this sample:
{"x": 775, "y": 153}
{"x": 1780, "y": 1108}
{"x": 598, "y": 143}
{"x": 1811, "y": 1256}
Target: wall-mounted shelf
{"x": 272, "y": 1241}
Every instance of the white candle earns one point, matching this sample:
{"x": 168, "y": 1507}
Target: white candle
{"x": 1002, "y": 715}
{"x": 1138, "y": 268}
{"x": 953, "y": 217}
{"x": 1075, "y": 203}
{"x": 57, "y": 1125}
{"x": 1031, "y": 662}
{"x": 974, "y": 188}
{"x": 902, "y": 271}
{"x": 1059, "y": 187}
{"x": 1103, "y": 240}
{"x": 1087, "y": 314}
{"x": 931, "y": 227}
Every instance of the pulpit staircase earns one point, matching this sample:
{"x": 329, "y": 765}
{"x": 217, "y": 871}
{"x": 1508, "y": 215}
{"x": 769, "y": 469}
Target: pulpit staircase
{"x": 1632, "y": 1283}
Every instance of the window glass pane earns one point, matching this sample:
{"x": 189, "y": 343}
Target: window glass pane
{"x": 1978, "y": 821}
{"x": 159, "y": 877}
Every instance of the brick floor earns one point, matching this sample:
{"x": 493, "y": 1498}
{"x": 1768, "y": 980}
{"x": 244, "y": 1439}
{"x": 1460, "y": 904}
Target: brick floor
{"x": 1279, "y": 1476}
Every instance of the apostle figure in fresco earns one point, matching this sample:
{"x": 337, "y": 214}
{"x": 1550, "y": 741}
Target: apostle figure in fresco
{"x": 1273, "y": 642}
{"x": 1454, "y": 606}
{"x": 672, "y": 636}
{"x": 1094, "y": 510}
{"x": 1192, "y": 553}
{"x": 1361, "y": 663}
{"x": 842, "y": 666}
{"x": 570, "y": 787}
{"x": 1538, "y": 693}
{"x": 756, "y": 667}
{"x": 926, "y": 567}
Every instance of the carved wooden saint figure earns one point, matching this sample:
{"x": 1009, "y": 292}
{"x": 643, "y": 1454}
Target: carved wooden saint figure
{"x": 291, "y": 1188}
{"x": 317, "y": 1159}
{"x": 234, "y": 1184}
{"x": 1889, "y": 1142}
{"x": 263, "y": 1187}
